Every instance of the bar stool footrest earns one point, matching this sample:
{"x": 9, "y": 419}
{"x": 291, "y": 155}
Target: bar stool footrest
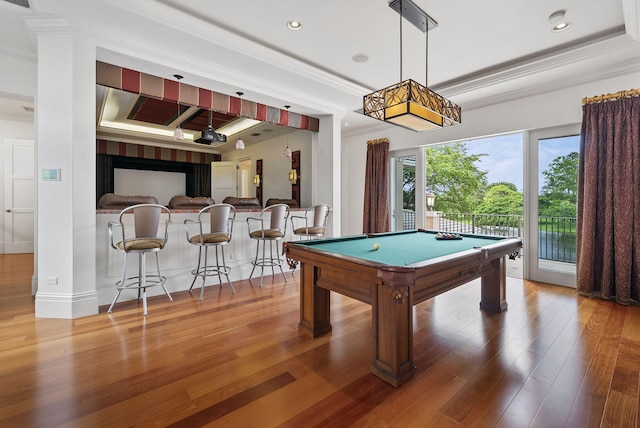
{"x": 135, "y": 282}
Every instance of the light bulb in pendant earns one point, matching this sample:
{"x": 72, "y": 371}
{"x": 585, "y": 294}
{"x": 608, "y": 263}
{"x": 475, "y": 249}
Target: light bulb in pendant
{"x": 178, "y": 134}
{"x": 239, "y": 145}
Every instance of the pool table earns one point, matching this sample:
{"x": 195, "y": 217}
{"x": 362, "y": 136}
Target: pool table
{"x": 409, "y": 267}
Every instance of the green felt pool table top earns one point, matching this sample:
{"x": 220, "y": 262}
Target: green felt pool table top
{"x": 399, "y": 248}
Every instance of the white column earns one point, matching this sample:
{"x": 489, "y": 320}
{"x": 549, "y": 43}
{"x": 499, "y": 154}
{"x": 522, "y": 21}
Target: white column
{"x": 65, "y": 125}
{"x": 326, "y": 170}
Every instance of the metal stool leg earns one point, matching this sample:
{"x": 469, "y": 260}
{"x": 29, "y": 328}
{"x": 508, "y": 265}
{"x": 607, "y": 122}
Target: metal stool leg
{"x": 255, "y": 261}
{"x": 197, "y": 270}
{"x": 218, "y": 268}
{"x": 226, "y": 270}
{"x": 124, "y": 273}
{"x": 142, "y": 268}
{"x": 262, "y": 264}
{"x": 161, "y": 278}
{"x": 204, "y": 273}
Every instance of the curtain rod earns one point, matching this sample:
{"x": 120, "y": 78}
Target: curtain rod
{"x": 611, "y": 97}
{"x": 378, "y": 140}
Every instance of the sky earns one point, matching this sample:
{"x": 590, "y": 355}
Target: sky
{"x": 505, "y": 153}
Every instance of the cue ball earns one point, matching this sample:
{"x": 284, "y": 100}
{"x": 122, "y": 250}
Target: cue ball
{"x": 376, "y": 246}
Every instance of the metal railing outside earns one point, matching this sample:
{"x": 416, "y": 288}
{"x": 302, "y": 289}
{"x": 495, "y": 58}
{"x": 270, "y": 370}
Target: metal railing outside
{"x": 557, "y": 238}
{"x": 482, "y": 224}
{"x": 408, "y": 220}
{"x": 556, "y": 235}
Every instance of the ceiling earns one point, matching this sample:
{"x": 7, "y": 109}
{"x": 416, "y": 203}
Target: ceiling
{"x": 123, "y": 113}
{"x": 482, "y": 52}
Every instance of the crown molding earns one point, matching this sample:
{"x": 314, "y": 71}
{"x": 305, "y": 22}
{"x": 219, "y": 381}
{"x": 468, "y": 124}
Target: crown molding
{"x": 21, "y": 55}
{"x": 631, "y": 12}
{"x": 605, "y": 73}
{"x": 532, "y": 66}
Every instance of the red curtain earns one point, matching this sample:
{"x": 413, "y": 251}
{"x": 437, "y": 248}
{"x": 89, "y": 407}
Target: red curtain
{"x": 376, "y": 187}
{"x": 608, "y": 232}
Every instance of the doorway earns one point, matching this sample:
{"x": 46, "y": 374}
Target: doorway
{"x": 245, "y": 178}
{"x": 403, "y": 193}
{"x": 552, "y": 173}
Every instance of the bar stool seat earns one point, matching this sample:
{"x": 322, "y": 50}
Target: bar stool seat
{"x": 269, "y": 228}
{"x": 220, "y": 231}
{"x": 145, "y": 239}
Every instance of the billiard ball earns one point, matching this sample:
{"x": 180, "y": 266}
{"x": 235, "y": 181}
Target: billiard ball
{"x": 376, "y": 246}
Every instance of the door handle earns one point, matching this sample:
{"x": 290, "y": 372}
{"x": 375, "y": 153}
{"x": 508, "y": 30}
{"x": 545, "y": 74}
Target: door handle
{"x": 8, "y": 211}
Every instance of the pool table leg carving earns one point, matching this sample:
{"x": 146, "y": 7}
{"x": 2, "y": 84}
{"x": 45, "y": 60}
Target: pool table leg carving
{"x": 494, "y": 287}
{"x": 314, "y": 303}
{"x": 393, "y": 335}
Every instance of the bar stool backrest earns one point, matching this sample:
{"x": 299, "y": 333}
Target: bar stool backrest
{"x": 221, "y": 218}
{"x": 279, "y": 216}
{"x": 320, "y": 215}
{"x": 146, "y": 219}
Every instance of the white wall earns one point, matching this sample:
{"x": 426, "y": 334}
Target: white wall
{"x": 546, "y": 110}
{"x": 276, "y": 167}
{"x": 18, "y": 77}
{"x": 17, "y": 130}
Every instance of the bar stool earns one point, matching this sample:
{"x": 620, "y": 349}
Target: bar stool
{"x": 221, "y": 218}
{"x": 310, "y": 226}
{"x": 145, "y": 239}
{"x": 270, "y": 230}
{"x": 313, "y": 224}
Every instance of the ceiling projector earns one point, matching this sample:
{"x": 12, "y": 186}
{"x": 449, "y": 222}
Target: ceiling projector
{"x": 209, "y": 136}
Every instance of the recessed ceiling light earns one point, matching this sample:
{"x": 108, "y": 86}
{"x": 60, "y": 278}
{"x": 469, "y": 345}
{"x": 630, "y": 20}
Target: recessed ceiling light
{"x": 556, "y": 19}
{"x": 561, "y": 27}
{"x": 360, "y": 58}
{"x": 294, "y": 25}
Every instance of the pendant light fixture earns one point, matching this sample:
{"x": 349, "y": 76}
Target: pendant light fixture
{"x": 408, "y": 103}
{"x": 287, "y": 151}
{"x": 177, "y": 133}
{"x": 239, "y": 142}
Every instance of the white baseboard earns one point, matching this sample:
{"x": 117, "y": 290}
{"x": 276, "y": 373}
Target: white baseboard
{"x": 54, "y": 305}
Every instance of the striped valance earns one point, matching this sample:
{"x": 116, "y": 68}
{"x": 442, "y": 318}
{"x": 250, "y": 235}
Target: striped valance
{"x": 156, "y": 153}
{"x": 157, "y": 87}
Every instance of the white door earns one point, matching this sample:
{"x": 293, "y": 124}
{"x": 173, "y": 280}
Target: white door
{"x": 550, "y": 224}
{"x": 19, "y": 195}
{"x": 224, "y": 180}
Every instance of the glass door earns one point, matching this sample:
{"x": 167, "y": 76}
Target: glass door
{"x": 404, "y": 204}
{"x": 551, "y": 204}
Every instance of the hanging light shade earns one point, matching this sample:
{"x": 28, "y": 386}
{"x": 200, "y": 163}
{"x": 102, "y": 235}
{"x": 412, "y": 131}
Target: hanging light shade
{"x": 287, "y": 152}
{"x": 177, "y": 133}
{"x": 408, "y": 103}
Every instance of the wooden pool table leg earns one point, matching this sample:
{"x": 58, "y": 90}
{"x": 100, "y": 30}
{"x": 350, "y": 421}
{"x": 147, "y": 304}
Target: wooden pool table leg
{"x": 314, "y": 303}
{"x": 393, "y": 334}
{"x": 494, "y": 287}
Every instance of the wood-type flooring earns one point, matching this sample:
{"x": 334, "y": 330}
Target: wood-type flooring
{"x": 553, "y": 359}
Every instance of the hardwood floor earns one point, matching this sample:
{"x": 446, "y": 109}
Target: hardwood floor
{"x": 553, "y": 359}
